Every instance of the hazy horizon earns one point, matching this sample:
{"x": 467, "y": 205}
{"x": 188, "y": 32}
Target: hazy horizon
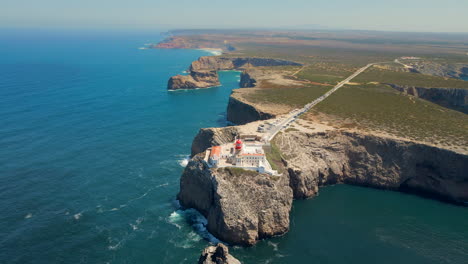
{"x": 400, "y": 16}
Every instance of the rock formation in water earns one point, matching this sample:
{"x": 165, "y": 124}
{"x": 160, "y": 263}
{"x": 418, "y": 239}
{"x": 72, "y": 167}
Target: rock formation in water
{"x": 203, "y": 71}
{"x": 196, "y": 79}
{"x": 241, "y": 206}
{"x": 218, "y": 254}
{"x": 456, "y": 99}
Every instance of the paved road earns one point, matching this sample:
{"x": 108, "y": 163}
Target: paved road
{"x": 292, "y": 116}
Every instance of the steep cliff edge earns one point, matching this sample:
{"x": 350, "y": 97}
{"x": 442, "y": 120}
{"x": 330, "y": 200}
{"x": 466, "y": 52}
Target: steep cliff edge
{"x": 456, "y": 99}
{"x": 220, "y": 63}
{"x": 208, "y": 137}
{"x": 319, "y": 159}
{"x": 248, "y": 79}
{"x": 244, "y": 206}
{"x": 241, "y": 206}
{"x": 240, "y": 112}
{"x": 196, "y": 79}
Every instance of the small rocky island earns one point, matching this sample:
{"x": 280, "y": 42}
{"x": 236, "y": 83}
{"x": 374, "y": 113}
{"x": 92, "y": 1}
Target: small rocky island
{"x": 218, "y": 254}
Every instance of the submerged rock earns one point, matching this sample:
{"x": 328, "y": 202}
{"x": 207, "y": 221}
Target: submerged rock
{"x": 218, "y": 254}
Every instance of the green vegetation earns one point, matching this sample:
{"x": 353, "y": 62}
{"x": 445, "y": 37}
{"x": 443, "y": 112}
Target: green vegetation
{"x": 380, "y": 108}
{"x": 291, "y": 129}
{"x": 408, "y": 78}
{"x": 295, "y": 97}
{"x": 274, "y": 156}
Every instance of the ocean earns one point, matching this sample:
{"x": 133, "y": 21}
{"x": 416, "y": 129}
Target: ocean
{"x": 92, "y": 147}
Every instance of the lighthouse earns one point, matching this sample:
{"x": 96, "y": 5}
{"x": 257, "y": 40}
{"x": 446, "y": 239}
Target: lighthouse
{"x": 238, "y": 145}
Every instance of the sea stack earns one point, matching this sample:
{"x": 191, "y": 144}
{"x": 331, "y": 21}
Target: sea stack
{"x": 218, "y": 254}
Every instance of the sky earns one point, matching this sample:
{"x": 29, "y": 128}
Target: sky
{"x": 387, "y": 15}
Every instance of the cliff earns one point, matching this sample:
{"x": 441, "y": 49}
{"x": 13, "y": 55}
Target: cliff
{"x": 240, "y": 112}
{"x": 196, "y": 79}
{"x": 208, "y": 137}
{"x": 233, "y": 63}
{"x": 319, "y": 159}
{"x": 456, "y": 99}
{"x": 248, "y": 79}
{"x": 203, "y": 72}
{"x": 218, "y": 254}
{"x": 243, "y": 207}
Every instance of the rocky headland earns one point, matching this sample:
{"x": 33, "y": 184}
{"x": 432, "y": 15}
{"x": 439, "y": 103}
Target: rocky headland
{"x": 203, "y": 72}
{"x": 195, "y": 80}
{"x": 243, "y": 206}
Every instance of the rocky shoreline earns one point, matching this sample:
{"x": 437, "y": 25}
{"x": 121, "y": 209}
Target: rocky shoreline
{"x": 243, "y": 207}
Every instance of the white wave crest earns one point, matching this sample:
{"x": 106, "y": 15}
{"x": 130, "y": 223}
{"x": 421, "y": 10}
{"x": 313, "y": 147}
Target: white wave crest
{"x": 198, "y": 222}
{"x": 184, "y": 161}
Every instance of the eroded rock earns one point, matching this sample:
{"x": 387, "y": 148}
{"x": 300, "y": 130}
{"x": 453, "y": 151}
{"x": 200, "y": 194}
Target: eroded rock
{"x": 218, "y": 254}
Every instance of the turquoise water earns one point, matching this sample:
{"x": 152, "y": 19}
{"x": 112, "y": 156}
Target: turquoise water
{"x": 92, "y": 147}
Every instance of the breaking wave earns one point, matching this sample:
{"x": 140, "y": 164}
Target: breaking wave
{"x": 184, "y": 161}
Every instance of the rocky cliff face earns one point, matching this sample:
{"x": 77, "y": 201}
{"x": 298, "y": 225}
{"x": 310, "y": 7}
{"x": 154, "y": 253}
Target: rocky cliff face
{"x": 240, "y": 112}
{"x": 241, "y": 206}
{"x": 208, "y": 137}
{"x": 218, "y": 254}
{"x": 203, "y": 72}
{"x": 320, "y": 159}
{"x": 232, "y": 63}
{"x": 456, "y": 99}
{"x": 248, "y": 79}
{"x": 196, "y": 79}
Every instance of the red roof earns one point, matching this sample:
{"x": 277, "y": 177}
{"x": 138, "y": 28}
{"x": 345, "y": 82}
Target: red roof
{"x": 216, "y": 150}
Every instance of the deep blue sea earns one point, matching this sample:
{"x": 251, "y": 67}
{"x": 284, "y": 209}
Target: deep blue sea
{"x": 92, "y": 147}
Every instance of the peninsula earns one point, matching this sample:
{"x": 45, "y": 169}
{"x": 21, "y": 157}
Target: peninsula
{"x": 323, "y": 110}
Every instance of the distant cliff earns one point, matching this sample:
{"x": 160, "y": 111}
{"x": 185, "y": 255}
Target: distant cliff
{"x": 235, "y": 63}
{"x": 203, "y": 71}
{"x": 243, "y": 206}
{"x": 196, "y": 79}
{"x": 456, "y": 99}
